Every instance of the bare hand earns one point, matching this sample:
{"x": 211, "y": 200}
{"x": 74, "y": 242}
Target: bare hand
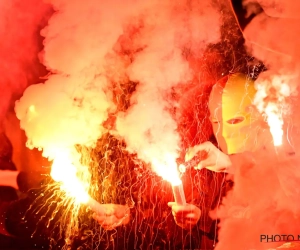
{"x": 215, "y": 160}
{"x": 185, "y": 216}
{"x": 114, "y": 216}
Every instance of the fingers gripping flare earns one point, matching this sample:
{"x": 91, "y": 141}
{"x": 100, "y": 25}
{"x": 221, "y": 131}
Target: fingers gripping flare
{"x": 207, "y": 155}
{"x": 185, "y": 216}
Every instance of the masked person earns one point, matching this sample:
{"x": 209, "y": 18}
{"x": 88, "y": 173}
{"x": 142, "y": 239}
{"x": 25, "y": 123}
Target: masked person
{"x": 262, "y": 200}
{"x": 237, "y": 125}
{"x": 231, "y": 116}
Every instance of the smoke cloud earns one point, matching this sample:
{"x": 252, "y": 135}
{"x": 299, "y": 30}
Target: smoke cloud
{"x": 92, "y": 47}
{"x": 77, "y": 39}
{"x": 263, "y": 201}
{"x": 170, "y": 28}
{"x": 19, "y": 68}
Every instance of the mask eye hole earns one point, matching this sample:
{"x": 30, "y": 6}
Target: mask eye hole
{"x": 236, "y": 120}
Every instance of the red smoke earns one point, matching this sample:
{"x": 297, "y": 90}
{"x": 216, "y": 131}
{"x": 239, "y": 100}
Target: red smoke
{"x": 20, "y": 44}
{"x": 93, "y": 48}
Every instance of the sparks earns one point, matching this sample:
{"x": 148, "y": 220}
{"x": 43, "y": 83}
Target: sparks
{"x": 65, "y": 172}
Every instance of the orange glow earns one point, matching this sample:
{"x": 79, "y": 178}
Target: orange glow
{"x": 32, "y": 113}
{"x": 64, "y": 171}
{"x": 167, "y": 169}
{"x": 270, "y": 99}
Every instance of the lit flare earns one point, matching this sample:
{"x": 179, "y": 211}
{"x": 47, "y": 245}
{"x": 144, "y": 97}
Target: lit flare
{"x": 270, "y": 99}
{"x": 168, "y": 171}
{"x": 65, "y": 172}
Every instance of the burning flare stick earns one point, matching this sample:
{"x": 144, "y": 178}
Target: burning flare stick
{"x": 71, "y": 184}
{"x": 179, "y": 193}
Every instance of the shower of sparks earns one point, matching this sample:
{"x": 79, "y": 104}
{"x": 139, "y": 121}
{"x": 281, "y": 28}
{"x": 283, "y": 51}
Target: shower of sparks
{"x": 64, "y": 171}
{"x": 70, "y": 190}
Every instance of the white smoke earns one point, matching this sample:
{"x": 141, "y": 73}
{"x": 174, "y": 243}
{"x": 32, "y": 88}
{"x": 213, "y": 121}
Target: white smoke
{"x": 82, "y": 52}
{"x": 148, "y": 127}
{"x": 264, "y": 198}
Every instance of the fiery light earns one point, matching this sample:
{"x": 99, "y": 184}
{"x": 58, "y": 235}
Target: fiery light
{"x": 275, "y": 122}
{"x": 270, "y": 99}
{"x": 65, "y": 172}
{"x": 71, "y": 106}
{"x": 167, "y": 170}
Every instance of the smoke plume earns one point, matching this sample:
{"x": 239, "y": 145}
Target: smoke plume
{"x": 93, "y": 49}
{"x": 263, "y": 202}
{"x": 169, "y": 28}
{"x": 90, "y": 48}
